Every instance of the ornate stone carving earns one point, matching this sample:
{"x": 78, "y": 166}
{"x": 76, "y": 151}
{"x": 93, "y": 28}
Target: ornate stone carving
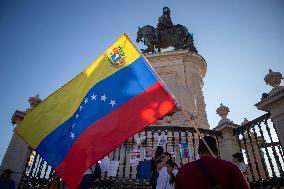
{"x": 34, "y": 101}
{"x": 223, "y": 111}
{"x": 177, "y": 119}
{"x": 17, "y": 117}
{"x": 273, "y": 78}
{"x": 165, "y": 121}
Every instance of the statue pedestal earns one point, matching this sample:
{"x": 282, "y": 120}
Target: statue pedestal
{"x": 183, "y": 72}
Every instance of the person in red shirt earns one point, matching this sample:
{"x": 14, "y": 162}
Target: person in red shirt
{"x": 209, "y": 172}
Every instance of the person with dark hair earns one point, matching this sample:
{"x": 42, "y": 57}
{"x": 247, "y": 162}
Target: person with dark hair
{"x": 5, "y": 181}
{"x": 160, "y": 174}
{"x": 172, "y": 172}
{"x": 155, "y": 160}
{"x": 239, "y": 160}
{"x": 210, "y": 172}
{"x": 159, "y": 152}
{"x": 162, "y": 169}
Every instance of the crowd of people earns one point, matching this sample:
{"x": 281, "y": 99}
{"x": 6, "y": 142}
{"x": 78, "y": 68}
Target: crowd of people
{"x": 208, "y": 171}
{"x": 164, "y": 170}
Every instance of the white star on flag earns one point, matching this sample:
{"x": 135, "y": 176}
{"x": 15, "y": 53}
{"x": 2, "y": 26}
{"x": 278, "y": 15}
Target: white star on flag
{"x": 103, "y": 98}
{"x": 94, "y": 97}
{"x": 73, "y": 125}
{"x": 86, "y": 100}
{"x": 72, "y": 135}
{"x": 77, "y": 115}
{"x": 81, "y": 107}
{"x": 112, "y": 102}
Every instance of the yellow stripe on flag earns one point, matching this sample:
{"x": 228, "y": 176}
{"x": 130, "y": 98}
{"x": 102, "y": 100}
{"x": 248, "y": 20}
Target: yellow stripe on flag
{"x": 62, "y": 104}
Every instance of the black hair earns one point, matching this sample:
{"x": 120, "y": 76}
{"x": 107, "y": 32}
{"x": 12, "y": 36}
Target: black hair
{"x": 171, "y": 163}
{"x": 168, "y": 154}
{"x": 211, "y": 142}
{"x": 159, "y": 151}
{"x": 238, "y": 156}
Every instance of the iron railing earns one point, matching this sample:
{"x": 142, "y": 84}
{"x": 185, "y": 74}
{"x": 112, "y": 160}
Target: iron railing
{"x": 38, "y": 172}
{"x": 263, "y": 152}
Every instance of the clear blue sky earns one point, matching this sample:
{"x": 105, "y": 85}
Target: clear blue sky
{"x": 44, "y": 44}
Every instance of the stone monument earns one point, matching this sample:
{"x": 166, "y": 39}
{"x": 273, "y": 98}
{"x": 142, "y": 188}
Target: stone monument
{"x": 182, "y": 70}
{"x": 165, "y": 35}
{"x": 18, "y": 151}
{"x": 183, "y": 73}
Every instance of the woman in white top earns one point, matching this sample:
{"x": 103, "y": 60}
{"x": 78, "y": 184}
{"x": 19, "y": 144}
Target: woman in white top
{"x": 172, "y": 172}
{"x": 162, "y": 169}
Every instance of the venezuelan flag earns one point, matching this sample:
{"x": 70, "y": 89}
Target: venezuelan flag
{"x": 114, "y": 98}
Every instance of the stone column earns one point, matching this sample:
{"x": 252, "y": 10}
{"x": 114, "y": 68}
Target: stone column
{"x": 183, "y": 73}
{"x": 228, "y": 145}
{"x": 17, "y": 153}
{"x": 273, "y": 102}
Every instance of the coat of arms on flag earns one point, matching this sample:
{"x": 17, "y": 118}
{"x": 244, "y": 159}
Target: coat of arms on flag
{"x": 117, "y": 57}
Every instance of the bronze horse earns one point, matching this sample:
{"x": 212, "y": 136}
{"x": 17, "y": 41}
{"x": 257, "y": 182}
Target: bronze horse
{"x": 177, "y": 37}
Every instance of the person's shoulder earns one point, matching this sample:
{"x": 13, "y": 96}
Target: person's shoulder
{"x": 228, "y": 164}
{"x": 187, "y": 166}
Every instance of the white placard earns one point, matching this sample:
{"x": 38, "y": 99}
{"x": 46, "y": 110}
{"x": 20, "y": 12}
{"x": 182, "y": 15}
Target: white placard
{"x": 135, "y": 157}
{"x": 162, "y": 140}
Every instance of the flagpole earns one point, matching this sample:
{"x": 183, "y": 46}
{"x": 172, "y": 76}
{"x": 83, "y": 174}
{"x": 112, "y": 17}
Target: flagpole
{"x": 197, "y": 131}
{"x": 173, "y": 97}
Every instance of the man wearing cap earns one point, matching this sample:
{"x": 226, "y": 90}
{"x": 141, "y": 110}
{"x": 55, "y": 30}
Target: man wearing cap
{"x": 209, "y": 172}
{"x": 5, "y": 181}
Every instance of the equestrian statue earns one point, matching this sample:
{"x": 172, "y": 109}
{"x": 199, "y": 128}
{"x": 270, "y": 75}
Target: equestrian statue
{"x": 165, "y": 35}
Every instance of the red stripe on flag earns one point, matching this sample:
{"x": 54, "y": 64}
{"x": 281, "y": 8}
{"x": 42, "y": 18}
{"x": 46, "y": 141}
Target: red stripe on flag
{"x": 109, "y": 132}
